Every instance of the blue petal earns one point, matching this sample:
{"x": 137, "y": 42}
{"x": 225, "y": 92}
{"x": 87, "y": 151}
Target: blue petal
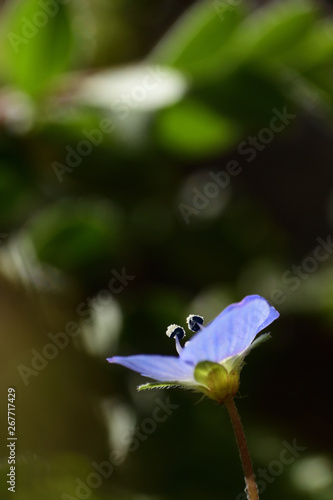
{"x": 231, "y": 332}
{"x": 162, "y": 368}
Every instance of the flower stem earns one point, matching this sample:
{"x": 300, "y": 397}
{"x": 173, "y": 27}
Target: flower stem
{"x": 251, "y": 487}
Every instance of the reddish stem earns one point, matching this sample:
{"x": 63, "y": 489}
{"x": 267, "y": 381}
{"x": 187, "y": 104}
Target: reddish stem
{"x": 251, "y": 487}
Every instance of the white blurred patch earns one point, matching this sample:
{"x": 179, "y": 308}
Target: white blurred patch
{"x": 20, "y": 264}
{"x": 120, "y": 422}
{"x": 201, "y": 197}
{"x": 312, "y": 473}
{"x": 100, "y": 334}
{"x": 140, "y": 87}
{"x": 18, "y": 111}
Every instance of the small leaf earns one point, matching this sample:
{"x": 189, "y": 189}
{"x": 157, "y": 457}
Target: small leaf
{"x": 160, "y": 385}
{"x": 259, "y": 340}
{"x": 236, "y": 362}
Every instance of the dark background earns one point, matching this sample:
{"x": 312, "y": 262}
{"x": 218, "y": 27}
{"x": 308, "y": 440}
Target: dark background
{"x": 227, "y": 69}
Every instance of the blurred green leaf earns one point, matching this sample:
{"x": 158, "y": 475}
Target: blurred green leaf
{"x": 72, "y": 235}
{"x": 248, "y": 95}
{"x": 36, "y": 43}
{"x": 196, "y": 43}
{"x": 192, "y": 129}
{"x": 15, "y": 194}
{"x": 313, "y": 50}
{"x": 276, "y": 27}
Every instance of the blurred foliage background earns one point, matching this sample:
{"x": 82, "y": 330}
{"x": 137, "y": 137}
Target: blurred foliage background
{"x": 160, "y": 159}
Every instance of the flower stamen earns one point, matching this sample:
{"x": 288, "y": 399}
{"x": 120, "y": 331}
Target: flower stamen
{"x": 194, "y": 322}
{"x": 176, "y": 332}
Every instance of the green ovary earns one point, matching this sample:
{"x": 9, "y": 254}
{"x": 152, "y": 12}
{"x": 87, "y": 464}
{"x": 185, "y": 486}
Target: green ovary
{"x": 215, "y": 381}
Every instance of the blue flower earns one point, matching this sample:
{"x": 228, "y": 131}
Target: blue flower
{"x": 211, "y": 361}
